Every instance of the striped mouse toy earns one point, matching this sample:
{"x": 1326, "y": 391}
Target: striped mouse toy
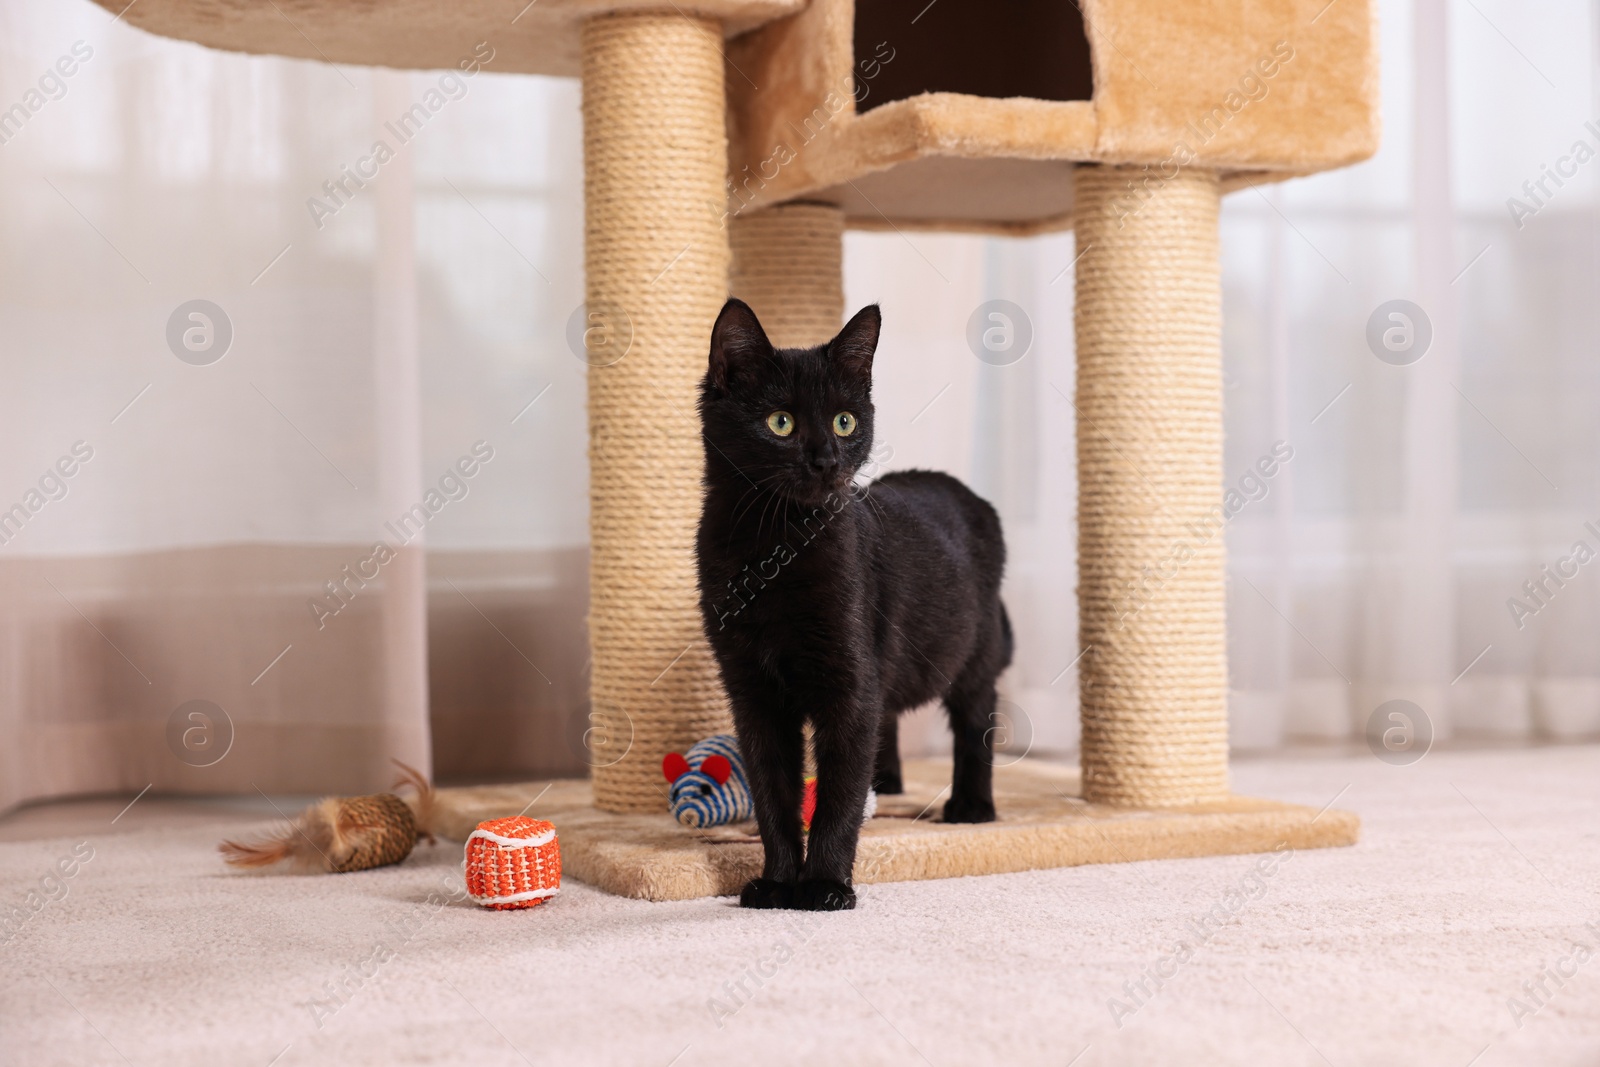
{"x": 709, "y": 787}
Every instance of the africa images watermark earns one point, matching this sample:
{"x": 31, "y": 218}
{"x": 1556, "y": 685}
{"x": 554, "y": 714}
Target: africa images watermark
{"x": 53, "y": 485}
{"x": 53, "y": 888}
{"x": 353, "y": 578}
{"x": 811, "y": 526}
{"x": 1251, "y": 88}
{"x": 1230, "y": 905}
{"x": 51, "y": 86}
{"x": 741, "y": 990}
{"x": 1254, "y": 485}
{"x": 1537, "y": 990}
{"x": 1538, "y": 190}
{"x": 1544, "y": 586}
{"x": 743, "y": 188}
{"x": 352, "y": 178}
{"x": 341, "y": 990}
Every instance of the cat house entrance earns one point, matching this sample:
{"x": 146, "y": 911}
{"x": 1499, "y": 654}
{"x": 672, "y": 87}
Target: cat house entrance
{"x": 1031, "y": 48}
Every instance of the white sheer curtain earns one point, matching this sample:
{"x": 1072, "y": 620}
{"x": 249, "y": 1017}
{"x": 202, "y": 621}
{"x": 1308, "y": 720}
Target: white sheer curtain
{"x": 427, "y": 314}
{"x": 217, "y": 543}
{"x": 1423, "y": 498}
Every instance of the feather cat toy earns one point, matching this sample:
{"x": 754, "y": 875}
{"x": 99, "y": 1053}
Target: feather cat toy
{"x": 342, "y": 834}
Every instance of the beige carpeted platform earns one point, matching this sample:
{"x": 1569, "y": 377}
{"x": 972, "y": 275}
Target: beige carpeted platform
{"x": 1042, "y": 823}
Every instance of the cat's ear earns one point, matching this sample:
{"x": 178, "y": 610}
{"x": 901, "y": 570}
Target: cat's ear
{"x": 737, "y": 340}
{"x": 853, "y": 349}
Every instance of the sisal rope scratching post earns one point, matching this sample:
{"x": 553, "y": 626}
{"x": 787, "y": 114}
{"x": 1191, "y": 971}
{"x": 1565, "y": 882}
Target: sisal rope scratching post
{"x": 656, "y": 256}
{"x": 1151, "y": 565}
{"x": 787, "y": 266}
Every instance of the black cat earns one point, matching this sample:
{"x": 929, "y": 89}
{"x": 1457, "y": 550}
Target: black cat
{"x": 827, "y": 602}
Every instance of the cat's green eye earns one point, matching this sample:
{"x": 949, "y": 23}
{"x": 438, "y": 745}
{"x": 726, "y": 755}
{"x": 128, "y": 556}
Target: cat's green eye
{"x": 781, "y": 423}
{"x": 844, "y": 424}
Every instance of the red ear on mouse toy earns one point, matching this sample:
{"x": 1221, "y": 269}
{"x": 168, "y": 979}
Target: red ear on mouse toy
{"x": 717, "y": 767}
{"x": 674, "y": 766}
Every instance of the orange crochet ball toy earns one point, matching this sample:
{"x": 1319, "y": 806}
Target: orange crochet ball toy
{"x": 513, "y": 863}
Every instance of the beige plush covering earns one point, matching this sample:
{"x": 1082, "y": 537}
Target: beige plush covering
{"x": 1171, "y": 90}
{"x": 423, "y": 34}
{"x": 1042, "y": 824}
{"x": 1011, "y": 196}
{"x": 1159, "y": 67}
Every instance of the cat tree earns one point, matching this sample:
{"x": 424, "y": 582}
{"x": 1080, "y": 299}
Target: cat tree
{"x": 727, "y": 145}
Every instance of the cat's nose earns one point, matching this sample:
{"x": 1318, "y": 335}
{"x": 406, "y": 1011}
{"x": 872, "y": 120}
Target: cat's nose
{"x": 823, "y": 462}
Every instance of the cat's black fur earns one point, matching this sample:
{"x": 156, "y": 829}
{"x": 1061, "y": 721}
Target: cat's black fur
{"x": 827, "y": 602}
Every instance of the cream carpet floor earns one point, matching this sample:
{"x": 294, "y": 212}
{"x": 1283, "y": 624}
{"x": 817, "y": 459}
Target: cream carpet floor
{"x": 1477, "y": 871}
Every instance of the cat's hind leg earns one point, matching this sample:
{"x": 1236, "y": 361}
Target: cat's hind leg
{"x": 971, "y": 704}
{"x": 886, "y": 778}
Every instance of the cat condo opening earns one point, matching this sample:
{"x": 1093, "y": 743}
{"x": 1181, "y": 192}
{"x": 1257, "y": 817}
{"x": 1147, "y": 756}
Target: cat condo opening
{"x": 1032, "y": 48}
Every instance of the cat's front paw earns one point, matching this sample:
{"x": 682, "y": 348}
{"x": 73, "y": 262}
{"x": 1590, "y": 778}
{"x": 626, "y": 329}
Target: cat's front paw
{"x": 886, "y": 784}
{"x": 822, "y": 894}
{"x": 969, "y": 809}
{"x": 765, "y": 893}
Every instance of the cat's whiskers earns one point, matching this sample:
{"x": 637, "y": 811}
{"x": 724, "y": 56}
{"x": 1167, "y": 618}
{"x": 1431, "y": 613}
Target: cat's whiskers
{"x": 755, "y": 486}
{"x": 777, "y": 498}
{"x": 768, "y": 490}
{"x": 739, "y": 511}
